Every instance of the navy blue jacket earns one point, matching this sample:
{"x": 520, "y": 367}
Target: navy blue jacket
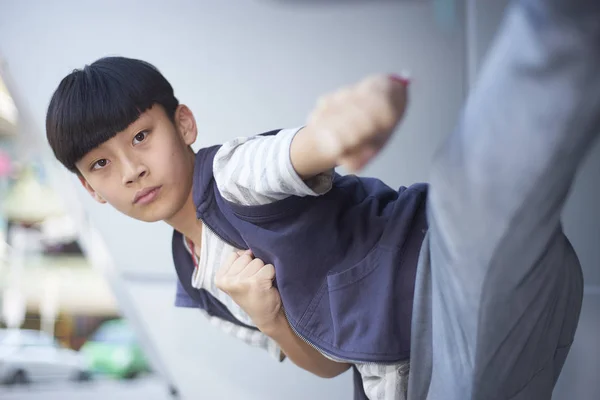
{"x": 345, "y": 261}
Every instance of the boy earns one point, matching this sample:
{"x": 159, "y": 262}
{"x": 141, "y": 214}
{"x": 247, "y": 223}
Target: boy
{"x": 498, "y": 288}
{"x": 146, "y": 170}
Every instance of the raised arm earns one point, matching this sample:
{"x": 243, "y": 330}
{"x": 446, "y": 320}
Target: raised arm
{"x": 257, "y": 170}
{"x": 346, "y": 128}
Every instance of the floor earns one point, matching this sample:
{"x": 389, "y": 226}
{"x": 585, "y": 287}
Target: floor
{"x": 144, "y": 388}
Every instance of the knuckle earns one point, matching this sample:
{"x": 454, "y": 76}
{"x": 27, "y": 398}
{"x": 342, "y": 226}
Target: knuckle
{"x": 343, "y": 94}
{"x": 240, "y": 263}
{"x": 245, "y": 259}
{"x": 257, "y": 262}
{"x": 382, "y": 82}
{"x": 232, "y": 257}
{"x": 371, "y": 82}
{"x": 335, "y": 99}
{"x": 323, "y": 102}
{"x": 270, "y": 270}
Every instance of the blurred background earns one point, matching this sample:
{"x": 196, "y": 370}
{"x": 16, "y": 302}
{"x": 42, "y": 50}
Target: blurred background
{"x": 86, "y": 295}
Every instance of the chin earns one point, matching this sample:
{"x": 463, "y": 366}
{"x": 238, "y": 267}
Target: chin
{"x": 150, "y": 214}
{"x": 157, "y": 215}
{"x": 145, "y": 217}
{"x": 151, "y": 219}
{"x": 161, "y": 212}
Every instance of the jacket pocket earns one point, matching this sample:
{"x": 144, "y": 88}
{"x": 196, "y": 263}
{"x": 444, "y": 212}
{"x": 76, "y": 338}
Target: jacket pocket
{"x": 371, "y": 306}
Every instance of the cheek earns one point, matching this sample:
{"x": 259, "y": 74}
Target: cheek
{"x": 113, "y": 195}
{"x": 113, "y": 198}
{"x": 176, "y": 162}
{"x": 178, "y": 172}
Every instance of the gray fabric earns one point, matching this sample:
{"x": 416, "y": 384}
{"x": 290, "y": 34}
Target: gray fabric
{"x": 499, "y": 287}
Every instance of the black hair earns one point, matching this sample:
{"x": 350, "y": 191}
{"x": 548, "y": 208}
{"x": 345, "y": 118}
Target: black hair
{"x": 91, "y": 105}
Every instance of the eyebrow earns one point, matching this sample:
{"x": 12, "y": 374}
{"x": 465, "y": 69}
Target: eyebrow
{"x": 140, "y": 123}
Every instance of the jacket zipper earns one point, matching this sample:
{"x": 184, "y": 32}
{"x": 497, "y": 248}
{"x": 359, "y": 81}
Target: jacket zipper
{"x": 204, "y": 224}
{"x": 326, "y": 354}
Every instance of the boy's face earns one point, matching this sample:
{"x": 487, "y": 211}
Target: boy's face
{"x": 146, "y": 170}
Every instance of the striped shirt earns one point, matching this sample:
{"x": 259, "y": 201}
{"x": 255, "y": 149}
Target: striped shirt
{"x": 213, "y": 254}
{"x": 257, "y": 170}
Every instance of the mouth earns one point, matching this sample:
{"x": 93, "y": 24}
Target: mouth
{"x": 147, "y": 195}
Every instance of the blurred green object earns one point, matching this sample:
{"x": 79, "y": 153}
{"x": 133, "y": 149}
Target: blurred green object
{"x": 113, "y": 350}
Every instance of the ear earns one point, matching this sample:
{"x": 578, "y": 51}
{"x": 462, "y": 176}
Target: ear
{"x": 91, "y": 190}
{"x": 186, "y": 124}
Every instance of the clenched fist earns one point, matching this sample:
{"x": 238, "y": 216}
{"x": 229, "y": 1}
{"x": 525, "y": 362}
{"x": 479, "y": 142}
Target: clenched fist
{"x": 354, "y": 123}
{"x": 249, "y": 282}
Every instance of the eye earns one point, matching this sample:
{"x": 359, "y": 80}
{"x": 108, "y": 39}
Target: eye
{"x": 100, "y": 164}
{"x": 140, "y": 137}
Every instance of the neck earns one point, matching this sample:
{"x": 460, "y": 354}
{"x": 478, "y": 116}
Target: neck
{"x": 186, "y": 222}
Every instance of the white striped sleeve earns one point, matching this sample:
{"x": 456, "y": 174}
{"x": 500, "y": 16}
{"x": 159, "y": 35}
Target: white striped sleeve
{"x": 385, "y": 382}
{"x": 249, "y": 336}
{"x": 258, "y": 170}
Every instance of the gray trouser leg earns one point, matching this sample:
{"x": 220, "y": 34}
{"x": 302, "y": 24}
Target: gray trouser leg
{"x": 505, "y": 284}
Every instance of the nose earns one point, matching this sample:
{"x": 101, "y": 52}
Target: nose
{"x": 133, "y": 170}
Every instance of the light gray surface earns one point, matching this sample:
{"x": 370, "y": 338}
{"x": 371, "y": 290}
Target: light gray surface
{"x": 146, "y": 388}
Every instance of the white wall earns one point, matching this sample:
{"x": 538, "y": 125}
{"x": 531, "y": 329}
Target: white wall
{"x": 243, "y": 66}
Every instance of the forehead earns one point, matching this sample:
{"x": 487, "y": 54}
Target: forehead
{"x": 152, "y": 115}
